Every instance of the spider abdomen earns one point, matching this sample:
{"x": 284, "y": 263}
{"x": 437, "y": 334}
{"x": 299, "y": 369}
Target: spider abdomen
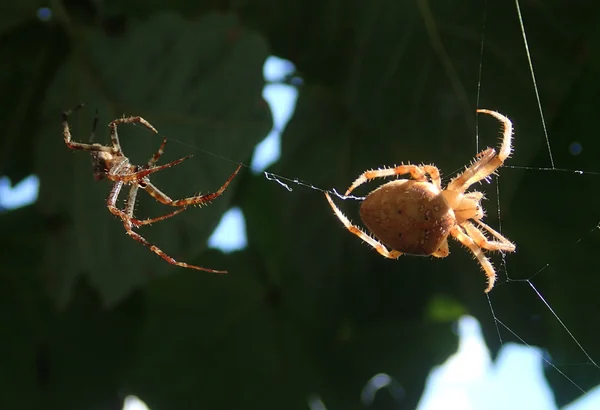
{"x": 410, "y": 216}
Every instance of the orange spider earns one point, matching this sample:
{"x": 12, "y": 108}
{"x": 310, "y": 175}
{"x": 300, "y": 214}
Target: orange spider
{"x": 110, "y": 162}
{"x": 415, "y": 216}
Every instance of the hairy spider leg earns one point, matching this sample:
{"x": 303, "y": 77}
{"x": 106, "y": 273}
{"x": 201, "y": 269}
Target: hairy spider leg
{"x": 134, "y": 188}
{"x": 417, "y": 172}
{"x": 506, "y": 147}
{"x": 133, "y": 195}
{"x": 114, "y": 136}
{"x": 149, "y": 221}
{"x": 458, "y": 233}
{"x": 130, "y": 207}
{"x": 158, "y": 153}
{"x": 434, "y": 175}
{"x": 129, "y": 215}
{"x": 502, "y": 244}
{"x": 487, "y": 161}
{"x": 79, "y": 145}
{"x": 128, "y": 223}
{"x": 194, "y": 200}
{"x": 378, "y": 246}
{"x": 138, "y": 175}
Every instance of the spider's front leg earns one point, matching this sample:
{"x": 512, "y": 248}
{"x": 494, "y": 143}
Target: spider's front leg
{"x": 194, "y": 200}
{"x": 79, "y": 145}
{"x": 118, "y": 175}
{"x": 417, "y": 172}
{"x": 487, "y": 161}
{"x": 114, "y": 135}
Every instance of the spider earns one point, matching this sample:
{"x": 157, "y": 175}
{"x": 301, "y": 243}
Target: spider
{"x": 415, "y": 216}
{"x": 110, "y": 162}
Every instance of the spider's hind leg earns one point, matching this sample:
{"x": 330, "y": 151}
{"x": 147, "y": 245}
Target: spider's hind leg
{"x": 378, "y": 246}
{"x": 458, "y": 233}
{"x": 130, "y": 208}
{"x": 501, "y": 244}
{"x": 139, "y": 238}
{"x": 129, "y": 221}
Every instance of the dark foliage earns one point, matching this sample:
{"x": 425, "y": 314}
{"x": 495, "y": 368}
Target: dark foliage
{"x": 89, "y": 316}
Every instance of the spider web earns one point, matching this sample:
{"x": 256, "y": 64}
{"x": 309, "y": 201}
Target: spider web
{"x": 523, "y": 282}
{"x": 500, "y": 324}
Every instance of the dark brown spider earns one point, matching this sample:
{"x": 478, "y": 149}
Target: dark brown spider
{"x": 110, "y": 162}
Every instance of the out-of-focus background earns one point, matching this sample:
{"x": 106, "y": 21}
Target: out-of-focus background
{"x": 312, "y": 93}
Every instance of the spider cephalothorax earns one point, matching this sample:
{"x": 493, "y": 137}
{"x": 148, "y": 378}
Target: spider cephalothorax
{"x": 415, "y": 216}
{"x": 110, "y": 162}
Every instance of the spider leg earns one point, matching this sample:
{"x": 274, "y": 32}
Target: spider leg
{"x": 378, "y": 246}
{"x": 502, "y": 244}
{"x": 415, "y": 171}
{"x": 506, "y": 147}
{"x": 128, "y": 223}
{"x": 132, "y": 120}
{"x": 194, "y": 200}
{"x": 474, "y": 172}
{"x": 139, "y": 238}
{"x": 434, "y": 174}
{"x": 487, "y": 266}
{"x": 149, "y": 221}
{"x": 158, "y": 153}
{"x": 114, "y": 135}
{"x": 111, "y": 202}
{"x": 443, "y": 251}
{"x": 130, "y": 207}
{"x": 78, "y": 145}
{"x": 118, "y": 175}
{"x": 488, "y": 161}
